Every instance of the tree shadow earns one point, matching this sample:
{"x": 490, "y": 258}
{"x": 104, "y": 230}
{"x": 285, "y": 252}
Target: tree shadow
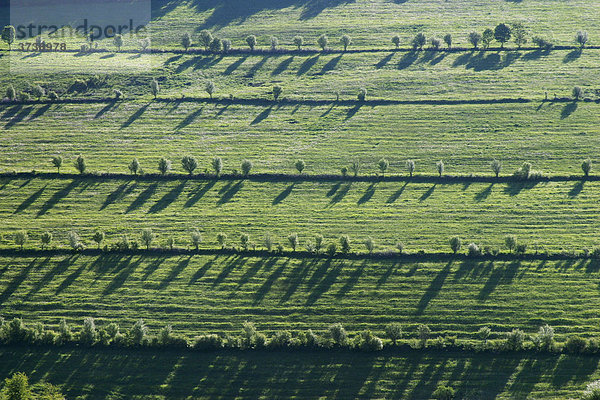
{"x": 488, "y": 61}
{"x": 68, "y": 281}
{"x": 253, "y": 270}
{"x": 109, "y": 107}
{"x": 353, "y": 110}
{"x": 30, "y": 200}
{"x": 256, "y": 67}
{"x": 484, "y": 194}
{"x": 329, "y": 277}
{"x": 307, "y": 65}
{"x": 284, "y": 194}
{"x": 573, "y": 369}
{"x": 367, "y": 195}
{"x": 352, "y": 280}
{"x": 119, "y": 193}
{"x": 260, "y": 294}
{"x": 572, "y": 56}
{"x": 56, "y": 197}
{"x": 40, "y": 111}
{"x": 434, "y": 288}
{"x": 230, "y": 192}
{"x": 463, "y": 59}
{"x": 576, "y": 189}
{"x": 568, "y": 109}
{"x": 333, "y": 189}
{"x": 262, "y": 116}
{"x": 536, "y": 54}
{"x": 153, "y": 266}
{"x": 282, "y": 66}
{"x": 234, "y": 65}
{"x": 227, "y": 268}
{"x": 126, "y": 268}
{"x": 407, "y": 59}
{"x": 142, "y": 198}
{"x": 18, "y": 118}
{"x": 11, "y": 287}
{"x": 500, "y": 275}
{"x": 175, "y": 271}
{"x": 171, "y": 60}
{"x": 384, "y": 61}
{"x": 330, "y": 66}
{"x": 197, "y": 194}
{"x": 438, "y": 59}
{"x": 396, "y": 195}
{"x": 387, "y": 274}
{"x": 295, "y": 278}
{"x": 167, "y": 199}
{"x": 191, "y": 117}
{"x": 428, "y": 193}
{"x": 135, "y": 116}
{"x": 340, "y": 194}
{"x": 513, "y": 188}
{"x": 199, "y": 274}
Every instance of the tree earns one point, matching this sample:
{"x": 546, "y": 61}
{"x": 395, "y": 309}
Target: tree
{"x": 443, "y": 392}
{"x": 16, "y": 387}
{"x": 144, "y": 43}
{"x": 137, "y": 334}
{"x": 436, "y": 43}
{"x": 298, "y": 41}
{"x": 592, "y": 391}
{"x": 57, "y": 162}
{"x": 8, "y": 35}
{"x": 419, "y": 41}
{"x": 318, "y": 243}
{"x": 164, "y": 166}
{"x": 21, "y": 238}
{"x": 222, "y": 239}
{"x": 74, "y": 241}
{"x": 244, "y": 241}
{"x": 355, "y": 167}
{"x": 210, "y": 88}
{"x": 362, "y": 94}
{"x": 293, "y": 239}
{"x": 154, "y": 88}
{"x": 80, "y": 164}
{"x": 370, "y": 245}
{"x": 581, "y": 38}
{"x": 88, "y": 334}
{"x": 423, "y": 332}
{"x": 338, "y": 335}
{"x": 186, "y": 41}
{"x": 586, "y": 166}
{"x": 346, "y": 41}
{"x": 46, "y": 239}
{"x": 511, "y": 242}
{"x": 484, "y": 333}
{"x": 394, "y": 332}
{"x": 118, "y": 42}
{"x": 323, "y": 41}
{"x": 440, "y": 167}
{"x": 52, "y": 95}
{"x": 473, "y": 250}
{"x": 226, "y": 45}
{"x": 331, "y": 249}
{"x": 474, "y": 39}
{"x": 134, "y": 166}
{"x": 189, "y": 164}
{"x": 519, "y": 34}
{"x": 502, "y": 33}
{"x": 496, "y": 167}
{"x": 216, "y": 45}
{"x": 147, "y": 237}
{"x": 448, "y": 40}
{"x": 383, "y": 165}
{"x": 251, "y": 41}
{"x": 196, "y": 237}
{"x": 487, "y": 37}
{"x": 276, "y": 92}
{"x": 274, "y": 43}
{"x": 98, "y": 238}
{"x": 515, "y": 339}
{"x": 396, "y": 41}
{"x": 170, "y": 242}
{"x": 11, "y": 93}
{"x": 217, "y": 164}
{"x": 300, "y": 165}
{"x": 205, "y": 38}
{"x": 400, "y": 247}
{"x": 545, "y": 338}
{"x": 118, "y": 94}
{"x": 542, "y": 43}
{"x": 38, "y": 91}
{"x": 410, "y": 166}
{"x": 246, "y": 167}
{"x": 345, "y": 244}
{"x": 455, "y": 244}
{"x": 577, "y": 93}
{"x": 268, "y": 242}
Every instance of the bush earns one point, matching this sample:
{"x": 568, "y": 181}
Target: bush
{"x": 300, "y": 165}
{"x": 542, "y": 43}
{"x": 440, "y": 167}
{"x": 448, "y": 40}
{"x": 217, "y": 165}
{"x": 502, "y": 33}
{"x": 396, "y": 41}
{"x": 88, "y": 334}
{"x": 511, "y": 242}
{"x": 57, "y": 162}
{"x": 298, "y": 41}
{"x": 443, "y": 392}
{"x": 581, "y": 38}
{"x": 52, "y": 96}
{"x": 318, "y": 243}
{"x": 592, "y": 391}
{"x": 383, "y": 165}
{"x": 80, "y": 164}
{"x": 216, "y": 45}
{"x": 118, "y": 94}
{"x": 98, "y": 238}
{"x": 293, "y": 239}
{"x": 189, "y": 164}
{"x": 154, "y": 88}
{"x": 251, "y": 41}
{"x": 208, "y": 342}
{"x": 38, "y": 91}
{"x": 338, "y": 335}
{"x": 196, "y": 238}
{"x": 323, "y": 41}
{"x": 455, "y": 244}
{"x": 331, "y": 249}
{"x": 11, "y": 93}
{"x": 519, "y": 33}
{"x": 222, "y": 239}
{"x": 484, "y": 333}
{"x": 575, "y": 345}
{"x": 281, "y": 340}
{"x": 544, "y": 340}
{"x": 246, "y": 167}
{"x": 362, "y": 94}
{"x": 274, "y": 43}
{"x": 515, "y": 340}
{"x": 419, "y": 41}
{"x": 209, "y": 88}
{"x": 21, "y": 238}
{"x": 473, "y": 250}
{"x": 487, "y": 37}
{"x": 400, "y": 247}
{"x": 46, "y": 239}
{"x": 134, "y": 166}
{"x": 496, "y": 167}
{"x": 345, "y": 244}
{"x": 74, "y": 241}
{"x": 226, "y": 45}
{"x": 206, "y": 38}
{"x": 475, "y": 39}
{"x": 16, "y": 387}
{"x": 346, "y": 41}
{"x": 24, "y": 96}
{"x": 586, "y": 167}
{"x": 244, "y": 241}
{"x": 164, "y": 166}
{"x": 394, "y": 332}
{"x": 147, "y": 237}
{"x": 436, "y": 43}
{"x": 423, "y": 333}
{"x": 369, "y": 342}
{"x": 577, "y": 93}
{"x": 186, "y": 41}
{"x": 277, "y": 91}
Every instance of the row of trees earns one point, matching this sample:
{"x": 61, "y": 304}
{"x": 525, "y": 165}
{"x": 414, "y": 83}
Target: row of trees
{"x": 17, "y": 387}
{"x": 190, "y": 164}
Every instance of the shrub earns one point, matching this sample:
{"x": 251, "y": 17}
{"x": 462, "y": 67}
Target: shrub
{"x": 487, "y": 37}
{"x": 222, "y": 239}
{"x": 577, "y": 93}
{"x": 118, "y": 42}
{"x": 475, "y": 39}
{"x": 496, "y": 167}
{"x": 170, "y": 243}
{"x": 80, "y": 164}
{"x": 575, "y": 344}
{"x": 448, "y": 40}
{"x": 38, "y": 91}
{"x": 209, "y": 88}
{"x": 298, "y": 41}
{"x": 362, "y": 94}
{"x": 323, "y": 41}
{"x": 75, "y": 241}
{"x": 331, "y": 249}
{"x": 189, "y": 164}
{"x": 346, "y": 41}
{"x": 154, "y": 88}
{"x": 394, "y": 332}
{"x": 281, "y": 340}
{"x": 300, "y": 165}
{"x": 525, "y": 172}
{"x": 592, "y": 391}
{"x": 138, "y": 332}
{"x": 11, "y": 93}
{"x": 8, "y": 35}
{"x": 419, "y": 41}
{"x": 251, "y": 41}
{"x": 510, "y": 241}
{"x": 338, "y": 335}
{"x": 293, "y": 239}
{"x": 98, "y": 238}
{"x": 423, "y": 333}
{"x": 24, "y": 96}
{"x": 440, "y": 167}
{"x": 473, "y": 250}
{"x": 318, "y": 243}
{"x": 206, "y": 38}
{"x": 196, "y": 237}
{"x": 186, "y": 41}
{"x": 21, "y": 238}
{"x": 246, "y": 167}
{"x": 515, "y": 340}
{"x": 88, "y": 334}
{"x": 355, "y": 167}
{"x": 436, "y": 43}
{"x": 443, "y": 392}
{"x": 484, "y": 333}
{"x": 217, "y": 165}
{"x": 216, "y": 45}
{"x": 268, "y": 242}
{"x": 545, "y": 338}
{"x": 369, "y": 342}
{"x": 57, "y": 162}
{"x": 586, "y": 167}
{"x": 226, "y": 45}
{"x": 520, "y": 248}
{"x": 274, "y": 43}
{"x": 396, "y": 41}
{"x": 277, "y": 91}
{"x": 208, "y": 342}
{"x": 52, "y": 95}
{"x": 502, "y": 33}
{"x": 581, "y": 38}
{"x": 118, "y": 94}
{"x": 383, "y": 165}
{"x": 244, "y": 241}
{"x": 400, "y": 247}
{"x": 519, "y": 33}
{"x": 17, "y": 386}
{"x": 147, "y": 237}
{"x": 134, "y": 166}
{"x": 46, "y": 239}
{"x": 164, "y": 166}
{"x": 345, "y": 244}
{"x": 455, "y": 244}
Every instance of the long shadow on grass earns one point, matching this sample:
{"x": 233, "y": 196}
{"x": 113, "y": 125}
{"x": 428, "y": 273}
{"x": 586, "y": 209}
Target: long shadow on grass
{"x": 434, "y": 288}
{"x": 120, "y": 192}
{"x": 57, "y": 197}
{"x": 135, "y": 116}
{"x": 568, "y": 109}
{"x": 284, "y": 194}
{"x": 262, "y": 116}
{"x": 322, "y": 280}
{"x": 307, "y": 65}
{"x": 69, "y": 279}
{"x": 282, "y": 66}
{"x": 340, "y": 193}
{"x": 231, "y": 191}
{"x": 202, "y": 271}
{"x": 501, "y": 275}
{"x": 384, "y": 61}
{"x": 142, "y": 198}
{"x": 109, "y": 107}
{"x": 514, "y": 188}
{"x": 256, "y": 67}
{"x": 572, "y": 55}
{"x": 428, "y": 193}
{"x": 30, "y": 200}
{"x": 167, "y": 199}
{"x": 175, "y": 271}
{"x": 189, "y": 119}
{"x": 408, "y": 59}
{"x": 572, "y": 369}
{"x": 387, "y": 274}
{"x": 295, "y": 278}
{"x": 234, "y": 65}
{"x": 368, "y": 195}
{"x": 352, "y": 280}
{"x": 576, "y": 189}
{"x": 18, "y": 118}
{"x": 230, "y": 265}
{"x": 17, "y": 281}
{"x": 153, "y": 266}
{"x": 40, "y": 111}
{"x": 268, "y": 284}
{"x": 484, "y": 194}
{"x": 198, "y": 193}
{"x": 330, "y": 66}
{"x": 126, "y": 267}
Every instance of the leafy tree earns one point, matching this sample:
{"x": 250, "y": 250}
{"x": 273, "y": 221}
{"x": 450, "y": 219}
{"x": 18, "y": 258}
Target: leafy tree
{"x": 487, "y": 37}
{"x": 98, "y": 238}
{"x": 11, "y": 93}
{"x": 394, "y": 332}
{"x": 545, "y": 338}
{"x": 542, "y": 43}
{"x": 118, "y": 94}
{"x": 475, "y": 38}
{"x": 138, "y": 332}
{"x": 293, "y": 239}
{"x": 274, "y": 43}
{"x": 52, "y": 95}
{"x": 300, "y": 165}
{"x": 80, "y": 164}
{"x": 46, "y": 239}
{"x": 511, "y": 242}
{"x": 473, "y": 250}
{"x": 396, "y": 41}
{"x": 147, "y": 237}
{"x": 383, "y": 165}
{"x": 226, "y": 45}
{"x": 581, "y": 38}
{"x": 400, "y": 247}
{"x": 170, "y": 242}
{"x": 586, "y": 166}
{"x": 423, "y": 333}
{"x": 246, "y": 167}
{"x": 134, "y": 166}
{"x": 370, "y": 245}
{"x": 222, "y": 239}
{"x": 88, "y": 334}
{"x": 244, "y": 241}
{"x": 448, "y": 40}
{"x": 277, "y": 91}
{"x": 455, "y": 244}
{"x": 362, "y": 94}
{"x": 355, "y": 167}
{"x": 410, "y": 166}
{"x": 346, "y": 41}
{"x": 519, "y": 34}
{"x": 496, "y": 167}
{"x": 592, "y": 391}
{"x": 577, "y": 93}
{"x": 216, "y": 45}
{"x": 186, "y": 41}
{"x": 16, "y": 387}
{"x": 323, "y": 41}
{"x": 154, "y": 88}
{"x": 345, "y": 244}
{"x": 251, "y": 41}
{"x": 436, "y": 43}
{"x": 331, "y": 249}
{"x": 515, "y": 340}
{"x": 484, "y": 333}
{"x": 298, "y": 41}
{"x": 338, "y": 335}
{"x": 269, "y": 242}
{"x": 189, "y": 164}
{"x": 144, "y": 44}
{"x": 502, "y": 33}
{"x": 575, "y": 344}
{"x": 74, "y": 241}
{"x": 419, "y": 41}
{"x": 118, "y": 42}
{"x": 21, "y": 238}
{"x": 57, "y": 162}
{"x": 440, "y": 167}
{"x": 164, "y": 166}
{"x": 209, "y": 88}
{"x": 217, "y": 164}
{"x": 206, "y": 38}
{"x": 38, "y": 92}
{"x": 318, "y": 243}
{"x": 196, "y": 237}
{"x": 8, "y": 35}
{"x": 443, "y": 392}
